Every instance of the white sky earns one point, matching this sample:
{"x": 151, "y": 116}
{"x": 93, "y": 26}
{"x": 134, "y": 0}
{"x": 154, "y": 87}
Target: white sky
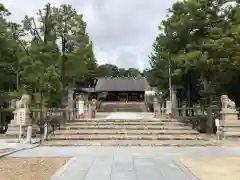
{"x": 122, "y": 30}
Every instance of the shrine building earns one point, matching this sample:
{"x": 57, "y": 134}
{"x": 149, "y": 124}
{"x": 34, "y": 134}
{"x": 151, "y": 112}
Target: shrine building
{"x": 117, "y": 89}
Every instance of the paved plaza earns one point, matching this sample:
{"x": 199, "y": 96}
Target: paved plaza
{"x": 123, "y": 163}
{"x": 134, "y": 163}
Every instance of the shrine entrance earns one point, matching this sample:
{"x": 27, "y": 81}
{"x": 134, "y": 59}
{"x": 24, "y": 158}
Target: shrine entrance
{"x": 123, "y": 97}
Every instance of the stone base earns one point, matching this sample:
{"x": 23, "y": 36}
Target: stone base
{"x": 14, "y": 130}
{"x": 230, "y": 128}
{"x": 228, "y": 115}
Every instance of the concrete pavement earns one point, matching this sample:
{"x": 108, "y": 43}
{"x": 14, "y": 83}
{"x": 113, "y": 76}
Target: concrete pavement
{"x": 11, "y": 146}
{"x": 128, "y": 163}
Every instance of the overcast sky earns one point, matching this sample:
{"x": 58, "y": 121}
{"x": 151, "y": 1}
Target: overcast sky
{"x": 122, "y": 30}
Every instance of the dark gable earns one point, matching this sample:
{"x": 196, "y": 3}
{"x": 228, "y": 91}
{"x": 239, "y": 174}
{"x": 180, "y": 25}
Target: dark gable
{"x": 121, "y": 84}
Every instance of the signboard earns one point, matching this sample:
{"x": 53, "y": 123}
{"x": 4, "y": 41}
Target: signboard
{"x": 21, "y": 116}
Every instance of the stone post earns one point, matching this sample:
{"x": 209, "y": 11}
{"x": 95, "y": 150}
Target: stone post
{"x": 29, "y": 135}
{"x": 45, "y": 133}
{"x": 90, "y": 111}
{"x": 219, "y": 132}
{"x": 94, "y": 108}
{"x": 80, "y": 105}
{"x": 174, "y": 102}
{"x": 76, "y": 115}
{"x": 162, "y": 109}
{"x": 161, "y": 104}
{"x": 168, "y": 107}
{"x": 156, "y": 108}
{"x": 70, "y": 104}
{"x": 198, "y": 110}
{"x": 209, "y": 123}
{"x": 184, "y": 109}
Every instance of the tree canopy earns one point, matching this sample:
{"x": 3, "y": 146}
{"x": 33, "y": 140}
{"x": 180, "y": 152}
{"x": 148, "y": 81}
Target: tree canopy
{"x": 200, "y": 40}
{"x": 48, "y": 53}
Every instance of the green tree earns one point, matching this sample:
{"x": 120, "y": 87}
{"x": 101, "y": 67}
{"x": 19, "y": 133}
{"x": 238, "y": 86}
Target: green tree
{"x": 199, "y": 37}
{"x": 133, "y": 72}
{"x": 73, "y": 63}
{"x": 107, "y": 70}
{"x": 122, "y": 72}
{"x": 40, "y": 72}
{"x": 78, "y": 63}
{"x": 10, "y": 51}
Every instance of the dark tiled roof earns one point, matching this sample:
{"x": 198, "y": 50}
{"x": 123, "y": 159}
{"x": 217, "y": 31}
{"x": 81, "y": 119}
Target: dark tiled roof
{"x": 84, "y": 89}
{"x": 88, "y": 89}
{"x": 122, "y": 84}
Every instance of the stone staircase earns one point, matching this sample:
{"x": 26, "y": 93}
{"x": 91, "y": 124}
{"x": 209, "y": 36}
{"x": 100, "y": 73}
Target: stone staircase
{"x": 121, "y": 132}
{"x": 123, "y": 107}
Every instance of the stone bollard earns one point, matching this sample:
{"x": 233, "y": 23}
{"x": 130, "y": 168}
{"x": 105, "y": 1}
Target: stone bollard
{"x": 29, "y": 135}
{"x": 45, "y": 133}
{"x": 94, "y": 108}
{"x": 156, "y": 108}
{"x": 94, "y": 111}
{"x": 168, "y": 107}
{"x": 184, "y": 110}
{"x": 90, "y": 111}
{"x": 219, "y": 132}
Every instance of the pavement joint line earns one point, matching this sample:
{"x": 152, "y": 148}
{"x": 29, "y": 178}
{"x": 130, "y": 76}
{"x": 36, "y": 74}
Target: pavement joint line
{"x": 61, "y": 170}
{"x": 185, "y": 169}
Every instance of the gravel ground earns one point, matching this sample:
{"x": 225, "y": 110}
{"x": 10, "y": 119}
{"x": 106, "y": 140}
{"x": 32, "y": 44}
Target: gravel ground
{"x": 29, "y": 168}
{"x": 209, "y": 168}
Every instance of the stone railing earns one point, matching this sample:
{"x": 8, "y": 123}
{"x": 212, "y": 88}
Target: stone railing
{"x": 200, "y": 118}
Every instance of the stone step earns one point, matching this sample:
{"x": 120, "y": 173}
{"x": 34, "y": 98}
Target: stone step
{"x": 125, "y": 120}
{"x": 121, "y": 127}
{"x": 132, "y": 132}
{"x": 121, "y": 110}
{"x": 232, "y": 134}
{"x": 123, "y": 107}
{"x": 122, "y": 123}
{"x": 231, "y": 129}
{"x": 124, "y": 137}
{"x": 11, "y": 136}
{"x": 129, "y": 143}
{"x": 232, "y": 123}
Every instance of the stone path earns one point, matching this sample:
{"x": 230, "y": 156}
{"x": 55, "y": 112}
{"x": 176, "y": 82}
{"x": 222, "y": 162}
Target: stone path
{"x": 5, "y": 144}
{"x": 118, "y": 167}
{"x": 124, "y": 115}
{"x": 125, "y": 163}
{"x": 6, "y": 147}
